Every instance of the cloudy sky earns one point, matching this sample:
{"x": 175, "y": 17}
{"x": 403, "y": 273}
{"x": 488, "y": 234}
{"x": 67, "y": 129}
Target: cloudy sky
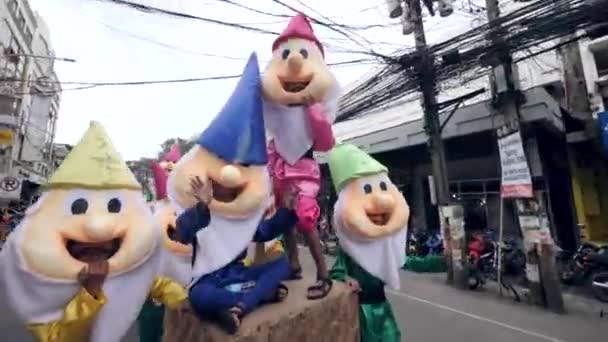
{"x": 112, "y": 43}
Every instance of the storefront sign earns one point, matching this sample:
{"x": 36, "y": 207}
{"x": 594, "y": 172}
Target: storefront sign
{"x": 10, "y": 187}
{"x": 516, "y": 180}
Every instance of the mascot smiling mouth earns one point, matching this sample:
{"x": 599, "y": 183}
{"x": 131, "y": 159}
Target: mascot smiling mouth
{"x": 172, "y": 232}
{"x": 93, "y": 251}
{"x": 295, "y": 86}
{"x": 379, "y": 219}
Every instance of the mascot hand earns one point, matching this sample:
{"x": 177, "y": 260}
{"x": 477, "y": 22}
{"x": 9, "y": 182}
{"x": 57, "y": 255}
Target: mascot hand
{"x": 203, "y": 191}
{"x": 307, "y": 99}
{"x": 289, "y": 198}
{"x": 92, "y": 276}
{"x": 353, "y": 285}
{"x": 183, "y": 309}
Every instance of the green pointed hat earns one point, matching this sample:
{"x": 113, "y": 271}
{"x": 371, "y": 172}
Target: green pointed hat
{"x": 347, "y": 161}
{"x": 95, "y": 164}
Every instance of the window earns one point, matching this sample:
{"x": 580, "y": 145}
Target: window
{"x": 601, "y": 62}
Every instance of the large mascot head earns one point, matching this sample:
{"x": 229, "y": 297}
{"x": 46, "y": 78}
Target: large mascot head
{"x": 92, "y": 209}
{"x": 231, "y": 154}
{"x": 297, "y": 67}
{"x": 295, "y": 77}
{"x": 371, "y": 214}
{"x": 164, "y": 210}
{"x": 177, "y": 257}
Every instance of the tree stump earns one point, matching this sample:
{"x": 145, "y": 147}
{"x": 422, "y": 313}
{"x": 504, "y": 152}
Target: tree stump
{"x": 334, "y": 318}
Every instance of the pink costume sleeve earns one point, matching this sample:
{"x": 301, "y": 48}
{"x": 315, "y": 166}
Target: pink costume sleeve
{"x": 321, "y": 128}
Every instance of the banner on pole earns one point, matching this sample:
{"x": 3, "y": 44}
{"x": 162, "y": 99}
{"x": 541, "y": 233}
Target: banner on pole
{"x": 516, "y": 179}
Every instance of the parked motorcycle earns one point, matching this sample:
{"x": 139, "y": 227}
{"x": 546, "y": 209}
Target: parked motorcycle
{"x": 417, "y": 244}
{"x": 434, "y": 244}
{"x": 483, "y": 257}
{"x": 576, "y": 269}
{"x": 422, "y": 244}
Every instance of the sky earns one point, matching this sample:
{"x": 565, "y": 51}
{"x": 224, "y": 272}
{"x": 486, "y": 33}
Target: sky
{"x": 112, "y": 43}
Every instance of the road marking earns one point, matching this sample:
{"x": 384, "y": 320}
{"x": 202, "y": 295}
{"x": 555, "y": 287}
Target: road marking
{"x": 473, "y": 316}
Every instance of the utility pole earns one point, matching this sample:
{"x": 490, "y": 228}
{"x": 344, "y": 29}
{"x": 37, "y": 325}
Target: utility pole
{"x": 540, "y": 259}
{"x": 451, "y": 214}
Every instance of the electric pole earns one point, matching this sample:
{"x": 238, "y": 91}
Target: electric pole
{"x": 541, "y": 272}
{"x": 451, "y": 214}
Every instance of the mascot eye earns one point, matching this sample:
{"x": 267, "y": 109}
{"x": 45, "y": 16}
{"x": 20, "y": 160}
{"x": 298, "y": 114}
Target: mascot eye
{"x": 79, "y": 206}
{"x": 383, "y": 186}
{"x": 304, "y": 53}
{"x": 367, "y": 188}
{"x": 285, "y": 54}
{"x": 114, "y": 205}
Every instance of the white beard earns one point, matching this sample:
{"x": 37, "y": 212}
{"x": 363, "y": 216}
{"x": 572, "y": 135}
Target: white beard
{"x": 36, "y": 299}
{"x": 224, "y": 239}
{"x": 382, "y": 258}
{"x": 289, "y": 126}
{"x": 176, "y": 267}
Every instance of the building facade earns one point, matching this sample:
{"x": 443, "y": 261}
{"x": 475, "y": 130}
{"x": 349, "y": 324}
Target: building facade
{"x": 29, "y": 98}
{"x": 560, "y": 141}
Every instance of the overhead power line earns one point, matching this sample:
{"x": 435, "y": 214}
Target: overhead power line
{"x": 151, "y": 9}
{"x": 89, "y": 85}
{"x": 472, "y": 53}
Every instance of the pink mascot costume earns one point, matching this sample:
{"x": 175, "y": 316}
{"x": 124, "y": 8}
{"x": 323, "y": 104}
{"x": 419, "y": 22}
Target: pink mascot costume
{"x": 300, "y": 103}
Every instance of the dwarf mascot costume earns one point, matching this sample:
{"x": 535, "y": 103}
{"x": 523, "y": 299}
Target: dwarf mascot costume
{"x": 176, "y": 258}
{"x": 91, "y": 211}
{"x": 300, "y": 103}
{"x": 231, "y": 156}
{"x": 370, "y": 218}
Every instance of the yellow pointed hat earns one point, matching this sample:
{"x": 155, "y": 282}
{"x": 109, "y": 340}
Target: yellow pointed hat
{"x": 95, "y": 164}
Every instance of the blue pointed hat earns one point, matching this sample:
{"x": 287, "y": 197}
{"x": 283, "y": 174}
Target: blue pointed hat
{"x": 237, "y": 133}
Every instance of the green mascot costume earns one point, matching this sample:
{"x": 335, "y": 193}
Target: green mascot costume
{"x": 370, "y": 218}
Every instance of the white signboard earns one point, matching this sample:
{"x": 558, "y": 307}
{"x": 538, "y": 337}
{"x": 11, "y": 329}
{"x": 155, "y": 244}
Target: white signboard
{"x": 516, "y": 180}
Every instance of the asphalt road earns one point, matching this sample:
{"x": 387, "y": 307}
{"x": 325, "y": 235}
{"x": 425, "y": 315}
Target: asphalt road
{"x": 427, "y": 310}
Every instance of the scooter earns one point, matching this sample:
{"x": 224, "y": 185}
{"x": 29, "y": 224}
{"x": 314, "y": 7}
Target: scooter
{"x": 434, "y": 244}
{"x": 576, "y": 269}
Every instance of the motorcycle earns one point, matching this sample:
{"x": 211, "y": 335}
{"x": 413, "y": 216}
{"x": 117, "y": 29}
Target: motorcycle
{"x": 576, "y": 268}
{"x": 434, "y": 244}
{"x": 417, "y": 244}
{"x": 483, "y": 257}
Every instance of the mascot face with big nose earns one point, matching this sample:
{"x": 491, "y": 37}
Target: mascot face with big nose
{"x": 86, "y": 217}
{"x": 238, "y": 190}
{"x": 230, "y": 155}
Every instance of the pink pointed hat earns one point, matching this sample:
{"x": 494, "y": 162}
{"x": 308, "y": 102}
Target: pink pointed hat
{"x": 298, "y": 27}
{"x": 173, "y": 155}
{"x": 160, "y": 180}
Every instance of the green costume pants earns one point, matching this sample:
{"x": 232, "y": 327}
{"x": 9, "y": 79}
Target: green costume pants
{"x": 150, "y": 322}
